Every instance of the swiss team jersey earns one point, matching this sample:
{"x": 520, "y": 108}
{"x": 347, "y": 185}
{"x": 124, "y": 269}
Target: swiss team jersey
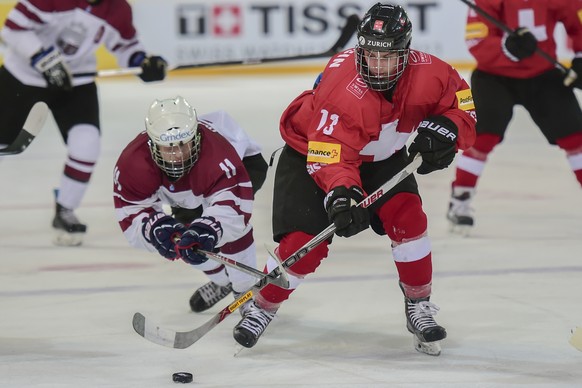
{"x": 74, "y": 27}
{"x": 539, "y": 17}
{"x": 218, "y": 182}
{"x": 343, "y": 123}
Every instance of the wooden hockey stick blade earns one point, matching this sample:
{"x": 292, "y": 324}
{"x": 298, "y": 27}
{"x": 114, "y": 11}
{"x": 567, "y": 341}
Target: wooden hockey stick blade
{"x": 31, "y": 128}
{"x": 181, "y": 340}
{"x": 279, "y": 279}
{"x": 576, "y": 338}
{"x": 346, "y": 34}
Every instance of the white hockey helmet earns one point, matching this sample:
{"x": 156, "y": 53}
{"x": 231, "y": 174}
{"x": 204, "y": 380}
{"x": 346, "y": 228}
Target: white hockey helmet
{"x": 172, "y": 126}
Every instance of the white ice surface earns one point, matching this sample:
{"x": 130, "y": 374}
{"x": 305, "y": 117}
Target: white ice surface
{"x": 509, "y": 294}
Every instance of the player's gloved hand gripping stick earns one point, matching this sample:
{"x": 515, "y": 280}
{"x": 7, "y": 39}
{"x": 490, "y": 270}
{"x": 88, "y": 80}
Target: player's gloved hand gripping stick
{"x": 184, "y": 339}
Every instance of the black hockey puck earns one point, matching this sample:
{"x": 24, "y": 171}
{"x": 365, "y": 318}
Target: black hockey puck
{"x": 182, "y": 377}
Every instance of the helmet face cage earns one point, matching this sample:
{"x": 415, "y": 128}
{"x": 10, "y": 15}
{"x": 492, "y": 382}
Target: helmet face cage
{"x": 381, "y": 71}
{"x": 383, "y": 47}
{"x": 176, "y": 160}
{"x": 174, "y": 140}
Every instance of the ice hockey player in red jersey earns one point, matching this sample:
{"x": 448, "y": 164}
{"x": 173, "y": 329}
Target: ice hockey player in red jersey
{"x": 47, "y": 41}
{"x": 510, "y": 73}
{"x": 192, "y": 163}
{"x": 347, "y": 137}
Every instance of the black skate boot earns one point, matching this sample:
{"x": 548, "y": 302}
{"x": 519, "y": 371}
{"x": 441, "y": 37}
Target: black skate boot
{"x": 208, "y": 295}
{"x": 252, "y": 326}
{"x": 69, "y": 231}
{"x": 460, "y": 213}
{"x": 420, "y": 322}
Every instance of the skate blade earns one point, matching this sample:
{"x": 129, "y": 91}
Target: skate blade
{"x": 576, "y": 338}
{"x": 237, "y": 349}
{"x": 430, "y": 348}
{"x": 65, "y": 239}
{"x": 461, "y": 230}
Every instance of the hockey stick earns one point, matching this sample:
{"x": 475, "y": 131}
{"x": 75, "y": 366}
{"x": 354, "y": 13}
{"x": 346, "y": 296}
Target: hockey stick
{"x": 184, "y": 339}
{"x": 277, "y": 277}
{"x": 31, "y": 128}
{"x": 570, "y": 75}
{"x": 346, "y": 34}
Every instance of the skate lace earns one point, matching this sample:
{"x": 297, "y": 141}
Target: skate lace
{"x": 461, "y": 207}
{"x": 244, "y": 309}
{"x": 212, "y": 292}
{"x": 421, "y": 314}
{"x": 256, "y": 320}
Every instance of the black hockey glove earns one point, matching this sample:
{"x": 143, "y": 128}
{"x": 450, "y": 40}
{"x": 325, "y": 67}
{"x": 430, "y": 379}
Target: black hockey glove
{"x": 153, "y": 68}
{"x": 349, "y": 219}
{"x": 519, "y": 44}
{"x": 203, "y": 233}
{"x": 577, "y": 67}
{"x": 436, "y": 142}
{"x": 50, "y": 63}
{"x": 162, "y": 231}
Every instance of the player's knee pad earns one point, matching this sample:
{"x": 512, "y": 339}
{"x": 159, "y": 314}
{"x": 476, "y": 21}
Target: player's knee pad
{"x": 291, "y": 242}
{"x": 402, "y": 217}
{"x": 84, "y": 143}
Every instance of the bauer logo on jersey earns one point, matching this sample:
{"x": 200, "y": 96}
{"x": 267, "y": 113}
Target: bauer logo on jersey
{"x": 465, "y": 98}
{"x": 328, "y": 153}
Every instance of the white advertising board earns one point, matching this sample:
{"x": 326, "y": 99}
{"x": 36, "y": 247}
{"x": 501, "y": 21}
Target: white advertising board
{"x": 194, "y": 31}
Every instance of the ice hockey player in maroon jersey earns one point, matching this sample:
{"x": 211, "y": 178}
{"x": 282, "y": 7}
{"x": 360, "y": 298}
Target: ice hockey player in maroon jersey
{"x": 193, "y": 163}
{"x": 510, "y": 73}
{"x": 47, "y": 41}
{"x": 347, "y": 137}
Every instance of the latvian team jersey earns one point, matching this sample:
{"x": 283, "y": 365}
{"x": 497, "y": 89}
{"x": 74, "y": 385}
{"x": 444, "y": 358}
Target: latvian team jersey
{"x": 75, "y": 27}
{"x": 218, "y": 181}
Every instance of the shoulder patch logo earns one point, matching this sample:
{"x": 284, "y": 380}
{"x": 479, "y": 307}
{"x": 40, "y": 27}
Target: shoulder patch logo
{"x": 476, "y": 30}
{"x": 357, "y": 87}
{"x": 465, "y": 98}
{"x": 419, "y": 58}
{"x": 319, "y": 152}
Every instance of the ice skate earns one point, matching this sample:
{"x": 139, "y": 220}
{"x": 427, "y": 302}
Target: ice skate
{"x": 420, "y": 322}
{"x": 208, "y": 295}
{"x": 460, "y": 213}
{"x": 252, "y": 326}
{"x": 69, "y": 231}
